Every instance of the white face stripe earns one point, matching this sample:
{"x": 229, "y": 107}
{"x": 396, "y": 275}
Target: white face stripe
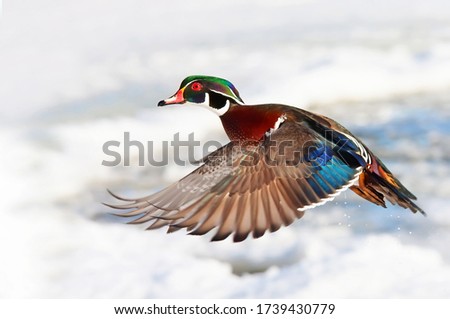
{"x": 206, "y": 101}
{"x": 220, "y": 111}
{"x": 233, "y": 97}
{"x": 223, "y": 109}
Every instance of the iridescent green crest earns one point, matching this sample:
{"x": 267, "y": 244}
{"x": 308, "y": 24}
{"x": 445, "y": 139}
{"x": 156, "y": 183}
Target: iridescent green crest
{"x": 214, "y": 84}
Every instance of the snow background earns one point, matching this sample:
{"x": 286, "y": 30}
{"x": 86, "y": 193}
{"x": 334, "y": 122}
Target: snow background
{"x": 75, "y": 74}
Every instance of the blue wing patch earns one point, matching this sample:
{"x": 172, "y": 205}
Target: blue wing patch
{"x": 330, "y": 170}
{"x": 319, "y": 154}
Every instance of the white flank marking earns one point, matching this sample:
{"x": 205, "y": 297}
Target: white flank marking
{"x": 277, "y": 124}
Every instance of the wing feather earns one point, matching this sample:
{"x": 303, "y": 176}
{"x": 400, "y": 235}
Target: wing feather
{"x": 236, "y": 194}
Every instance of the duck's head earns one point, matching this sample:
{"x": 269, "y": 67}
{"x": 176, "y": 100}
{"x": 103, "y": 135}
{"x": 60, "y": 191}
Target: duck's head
{"x": 215, "y": 93}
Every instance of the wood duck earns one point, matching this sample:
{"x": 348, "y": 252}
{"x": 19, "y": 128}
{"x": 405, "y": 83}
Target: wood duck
{"x": 281, "y": 161}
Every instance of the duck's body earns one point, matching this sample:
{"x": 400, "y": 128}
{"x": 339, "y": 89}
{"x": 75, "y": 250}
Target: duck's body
{"x": 281, "y": 161}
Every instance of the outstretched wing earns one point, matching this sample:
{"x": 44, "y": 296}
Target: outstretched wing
{"x": 251, "y": 188}
{"x": 376, "y": 183}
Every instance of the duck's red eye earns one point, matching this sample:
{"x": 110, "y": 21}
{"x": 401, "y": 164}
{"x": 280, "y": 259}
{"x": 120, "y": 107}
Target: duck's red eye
{"x": 196, "y": 86}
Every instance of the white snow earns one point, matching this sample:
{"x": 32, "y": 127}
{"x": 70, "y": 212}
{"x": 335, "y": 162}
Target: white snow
{"x": 74, "y": 75}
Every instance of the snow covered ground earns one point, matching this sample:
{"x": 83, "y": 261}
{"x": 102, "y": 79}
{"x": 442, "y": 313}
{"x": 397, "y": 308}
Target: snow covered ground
{"x": 75, "y": 74}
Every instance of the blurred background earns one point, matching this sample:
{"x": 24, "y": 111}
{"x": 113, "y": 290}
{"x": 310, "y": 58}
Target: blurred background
{"x": 76, "y": 74}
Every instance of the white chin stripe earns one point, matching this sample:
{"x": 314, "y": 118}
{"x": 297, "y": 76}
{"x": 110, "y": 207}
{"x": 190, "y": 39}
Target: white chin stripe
{"x": 223, "y": 109}
{"x": 206, "y": 101}
{"x": 220, "y": 111}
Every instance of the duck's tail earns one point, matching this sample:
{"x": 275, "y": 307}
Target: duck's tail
{"x": 376, "y": 184}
